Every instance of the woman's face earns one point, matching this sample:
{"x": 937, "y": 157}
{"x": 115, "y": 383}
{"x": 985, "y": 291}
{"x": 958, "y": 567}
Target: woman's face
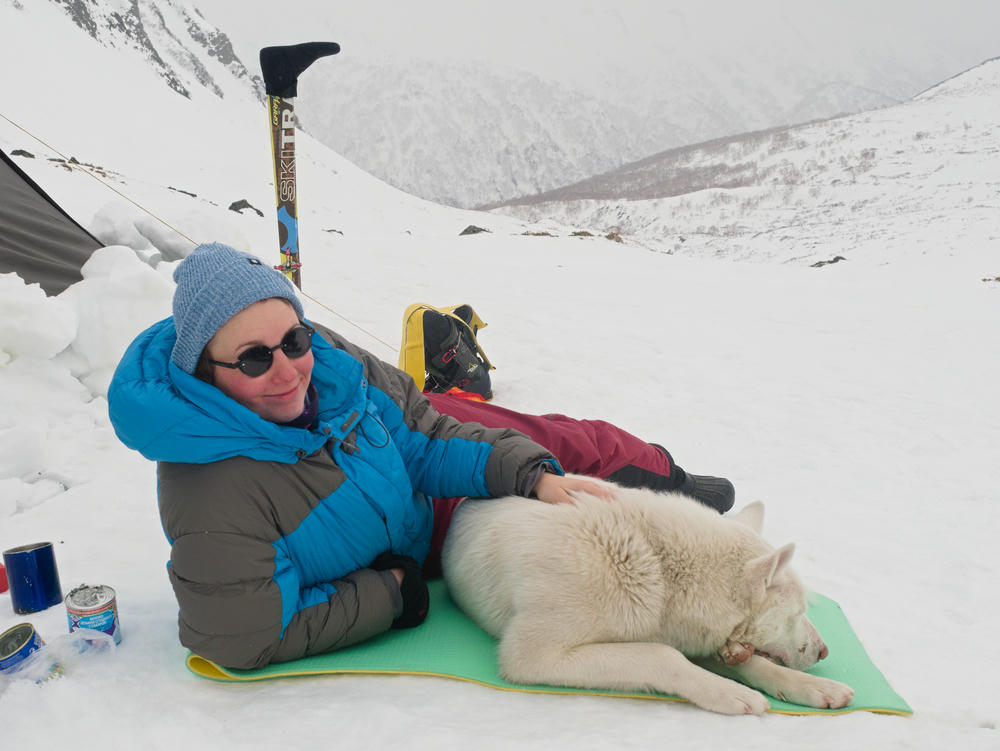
{"x": 278, "y": 395}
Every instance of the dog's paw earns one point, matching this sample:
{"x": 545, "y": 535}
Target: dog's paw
{"x": 730, "y": 697}
{"x": 821, "y": 693}
{"x": 832, "y": 694}
{"x": 735, "y": 653}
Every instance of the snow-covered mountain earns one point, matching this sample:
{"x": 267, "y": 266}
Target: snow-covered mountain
{"x": 617, "y": 82}
{"x": 572, "y": 86}
{"x": 466, "y": 133}
{"x": 777, "y": 194}
{"x": 469, "y": 134}
{"x": 111, "y": 111}
{"x": 712, "y": 198}
{"x": 172, "y": 38}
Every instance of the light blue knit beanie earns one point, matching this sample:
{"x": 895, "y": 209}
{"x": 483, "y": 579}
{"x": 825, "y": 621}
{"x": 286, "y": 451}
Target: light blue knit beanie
{"x": 214, "y": 283}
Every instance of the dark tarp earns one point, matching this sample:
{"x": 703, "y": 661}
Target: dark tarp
{"x": 38, "y": 240}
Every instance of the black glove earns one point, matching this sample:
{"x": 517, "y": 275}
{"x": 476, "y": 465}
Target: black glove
{"x": 413, "y": 588}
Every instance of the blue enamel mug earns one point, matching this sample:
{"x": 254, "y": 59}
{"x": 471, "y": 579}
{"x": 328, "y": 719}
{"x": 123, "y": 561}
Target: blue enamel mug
{"x": 32, "y": 577}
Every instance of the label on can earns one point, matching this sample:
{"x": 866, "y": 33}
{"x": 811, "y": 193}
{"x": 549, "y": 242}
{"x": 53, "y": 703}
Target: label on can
{"x": 17, "y": 643}
{"x": 94, "y": 608}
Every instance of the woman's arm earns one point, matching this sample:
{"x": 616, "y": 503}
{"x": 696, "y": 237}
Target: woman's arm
{"x": 243, "y": 602}
{"x": 446, "y": 457}
{"x": 235, "y": 613}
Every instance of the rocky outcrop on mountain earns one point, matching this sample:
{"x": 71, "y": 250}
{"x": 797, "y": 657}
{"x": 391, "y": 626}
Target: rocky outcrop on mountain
{"x": 177, "y": 44}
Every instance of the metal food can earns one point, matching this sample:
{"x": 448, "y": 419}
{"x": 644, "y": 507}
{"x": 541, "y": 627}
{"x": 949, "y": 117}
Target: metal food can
{"x": 17, "y": 643}
{"x": 94, "y": 608}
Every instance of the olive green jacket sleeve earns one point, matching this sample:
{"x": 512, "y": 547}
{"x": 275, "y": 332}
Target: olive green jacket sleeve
{"x": 222, "y": 525}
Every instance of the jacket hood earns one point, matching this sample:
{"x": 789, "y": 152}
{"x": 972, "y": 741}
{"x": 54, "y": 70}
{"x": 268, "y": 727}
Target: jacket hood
{"x": 169, "y": 415}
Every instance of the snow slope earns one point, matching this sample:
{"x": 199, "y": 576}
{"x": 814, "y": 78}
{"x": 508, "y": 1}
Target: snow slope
{"x": 857, "y": 400}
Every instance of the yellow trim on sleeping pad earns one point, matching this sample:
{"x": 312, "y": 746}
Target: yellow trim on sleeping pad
{"x": 208, "y": 669}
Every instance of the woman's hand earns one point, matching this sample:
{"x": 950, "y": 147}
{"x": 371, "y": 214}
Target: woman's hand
{"x": 555, "y": 488}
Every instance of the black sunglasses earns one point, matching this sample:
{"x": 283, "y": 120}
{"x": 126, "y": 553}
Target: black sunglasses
{"x": 256, "y": 361}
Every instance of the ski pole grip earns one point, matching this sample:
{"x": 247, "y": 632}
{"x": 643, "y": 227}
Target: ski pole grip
{"x": 281, "y": 66}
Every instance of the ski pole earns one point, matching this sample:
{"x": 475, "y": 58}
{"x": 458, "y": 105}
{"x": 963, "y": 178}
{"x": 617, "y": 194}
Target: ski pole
{"x": 281, "y": 67}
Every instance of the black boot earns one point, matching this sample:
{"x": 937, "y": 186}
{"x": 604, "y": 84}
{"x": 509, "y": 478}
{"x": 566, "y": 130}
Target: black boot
{"x": 715, "y": 492}
{"x": 450, "y": 357}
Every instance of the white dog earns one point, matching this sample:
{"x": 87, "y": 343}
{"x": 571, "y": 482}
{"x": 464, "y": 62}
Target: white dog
{"x": 618, "y": 594}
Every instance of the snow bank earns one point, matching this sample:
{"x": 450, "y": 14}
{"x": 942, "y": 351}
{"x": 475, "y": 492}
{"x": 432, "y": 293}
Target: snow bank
{"x": 57, "y": 356}
{"x": 118, "y": 297}
{"x": 34, "y": 325}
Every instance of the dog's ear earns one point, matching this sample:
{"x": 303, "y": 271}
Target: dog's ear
{"x": 759, "y": 573}
{"x": 752, "y": 516}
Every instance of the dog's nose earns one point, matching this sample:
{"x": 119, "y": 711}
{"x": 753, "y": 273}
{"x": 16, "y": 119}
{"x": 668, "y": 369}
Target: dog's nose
{"x": 823, "y": 652}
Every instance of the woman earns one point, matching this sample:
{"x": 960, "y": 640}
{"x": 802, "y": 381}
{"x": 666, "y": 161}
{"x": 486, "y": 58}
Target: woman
{"x": 295, "y": 469}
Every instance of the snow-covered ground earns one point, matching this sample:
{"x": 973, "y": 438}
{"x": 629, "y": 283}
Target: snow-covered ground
{"x": 858, "y": 400}
{"x": 859, "y": 406}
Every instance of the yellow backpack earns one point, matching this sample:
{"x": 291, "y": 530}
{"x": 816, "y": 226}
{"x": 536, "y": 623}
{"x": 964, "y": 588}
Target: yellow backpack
{"x": 440, "y": 350}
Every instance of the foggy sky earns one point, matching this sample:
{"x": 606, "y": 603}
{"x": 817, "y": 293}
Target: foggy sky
{"x": 581, "y": 40}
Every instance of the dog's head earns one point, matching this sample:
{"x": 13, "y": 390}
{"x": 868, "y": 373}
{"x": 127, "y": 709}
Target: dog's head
{"x": 777, "y": 626}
